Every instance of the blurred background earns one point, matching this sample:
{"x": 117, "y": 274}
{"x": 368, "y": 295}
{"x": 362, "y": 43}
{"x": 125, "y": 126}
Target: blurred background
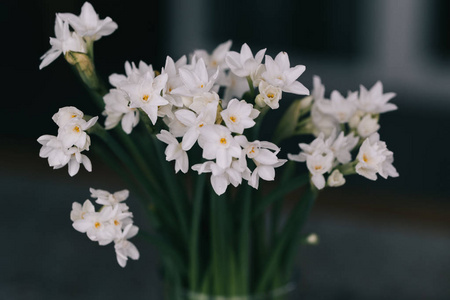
{"x": 388, "y": 239}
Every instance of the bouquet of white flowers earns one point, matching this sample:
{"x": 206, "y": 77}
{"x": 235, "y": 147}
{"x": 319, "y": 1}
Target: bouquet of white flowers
{"x": 207, "y": 112}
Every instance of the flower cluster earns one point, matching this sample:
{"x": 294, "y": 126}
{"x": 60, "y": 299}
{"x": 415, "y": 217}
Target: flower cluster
{"x": 185, "y": 97}
{"x": 87, "y": 28}
{"x": 113, "y": 222}
{"x": 72, "y": 139}
{"x": 357, "y": 115}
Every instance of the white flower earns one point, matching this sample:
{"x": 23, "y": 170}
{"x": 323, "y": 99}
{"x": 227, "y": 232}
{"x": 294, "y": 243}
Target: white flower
{"x": 317, "y": 146}
{"x": 367, "y": 126}
{"x": 174, "y": 80}
{"x": 336, "y": 179}
{"x": 374, "y": 157}
{"x": 319, "y": 164}
{"x": 243, "y": 64}
{"x": 117, "y": 110}
{"x": 217, "y": 57}
{"x": 146, "y": 94}
{"x": 318, "y": 91}
{"x": 235, "y": 87}
{"x": 76, "y": 159}
{"x": 196, "y": 80}
{"x": 342, "y": 109}
{"x": 341, "y": 146}
{"x": 64, "y": 41}
{"x": 88, "y": 24}
{"x": 73, "y": 133}
{"x": 201, "y": 102}
{"x": 279, "y": 73}
{"x": 268, "y": 95}
{"x": 66, "y": 114}
{"x": 79, "y": 211}
{"x": 125, "y": 248}
{"x": 239, "y": 115}
{"x": 222, "y": 177}
{"x": 265, "y": 160}
{"x": 106, "y": 198}
{"x": 97, "y": 225}
{"x": 323, "y": 123}
{"x": 218, "y": 143}
{"x": 53, "y": 149}
{"x": 174, "y": 151}
{"x": 374, "y": 101}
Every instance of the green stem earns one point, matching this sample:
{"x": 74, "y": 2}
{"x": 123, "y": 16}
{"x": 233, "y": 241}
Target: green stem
{"x": 244, "y": 242}
{"x": 293, "y": 226}
{"x": 194, "y": 237}
{"x": 252, "y": 88}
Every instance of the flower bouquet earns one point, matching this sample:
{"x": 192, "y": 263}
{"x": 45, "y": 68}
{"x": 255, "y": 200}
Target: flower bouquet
{"x": 186, "y": 141}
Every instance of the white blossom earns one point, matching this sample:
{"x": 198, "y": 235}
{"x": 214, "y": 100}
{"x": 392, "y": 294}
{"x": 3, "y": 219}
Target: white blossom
{"x": 66, "y": 114}
{"x": 319, "y": 164}
{"x": 367, "y": 126}
{"x": 73, "y": 133}
{"x": 336, "y": 179}
{"x": 279, "y": 73}
{"x": 174, "y": 151}
{"x": 374, "y": 157}
{"x": 268, "y": 95}
{"x": 79, "y": 211}
{"x": 97, "y": 225}
{"x": 117, "y": 110}
{"x": 218, "y": 143}
{"x": 124, "y": 248}
{"x": 88, "y": 24}
{"x": 239, "y": 115}
{"x": 243, "y": 64}
{"x": 63, "y": 41}
{"x": 106, "y": 198}
{"x": 342, "y": 109}
{"x": 374, "y": 101}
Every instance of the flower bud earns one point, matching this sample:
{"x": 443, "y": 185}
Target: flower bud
{"x": 336, "y": 179}
{"x": 367, "y": 126}
{"x": 260, "y": 101}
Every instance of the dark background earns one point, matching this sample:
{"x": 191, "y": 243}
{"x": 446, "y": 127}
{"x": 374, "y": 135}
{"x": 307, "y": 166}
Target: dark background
{"x": 387, "y": 239}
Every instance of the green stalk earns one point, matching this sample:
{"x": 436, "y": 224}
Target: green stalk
{"x": 279, "y": 192}
{"x": 218, "y": 260}
{"x": 293, "y": 226}
{"x": 194, "y": 237}
{"x": 252, "y": 88}
{"x": 244, "y": 242}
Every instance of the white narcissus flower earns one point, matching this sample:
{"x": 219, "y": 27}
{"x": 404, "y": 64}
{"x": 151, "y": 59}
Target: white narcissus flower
{"x": 279, "y": 73}
{"x": 174, "y": 80}
{"x": 239, "y": 115}
{"x": 367, "y": 126}
{"x": 243, "y": 64}
{"x": 374, "y": 101}
{"x": 268, "y": 95}
{"x": 195, "y": 123}
{"x": 323, "y": 123}
{"x": 336, "y": 179}
{"x": 218, "y": 143}
{"x": 146, "y": 94}
{"x": 316, "y": 146}
{"x": 201, "y": 102}
{"x": 79, "y": 211}
{"x": 76, "y": 159}
{"x": 66, "y": 114}
{"x": 342, "y": 109}
{"x": 265, "y": 160}
{"x": 373, "y": 158}
{"x": 318, "y": 91}
{"x": 217, "y": 57}
{"x": 53, "y": 150}
{"x": 64, "y": 41}
{"x": 235, "y": 88}
{"x": 106, "y": 198}
{"x": 196, "y": 80}
{"x": 117, "y": 110}
{"x": 97, "y": 225}
{"x": 319, "y": 164}
{"x": 222, "y": 177}
{"x": 88, "y": 24}
{"x": 341, "y": 146}
{"x": 125, "y": 248}
{"x": 73, "y": 133}
{"x": 174, "y": 151}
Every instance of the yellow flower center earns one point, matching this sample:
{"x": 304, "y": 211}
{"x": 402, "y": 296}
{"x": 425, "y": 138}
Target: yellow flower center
{"x": 253, "y": 150}
{"x": 116, "y": 222}
{"x": 317, "y": 167}
{"x": 270, "y": 95}
{"x": 76, "y": 129}
{"x": 223, "y": 141}
{"x": 201, "y": 86}
{"x": 145, "y": 97}
{"x": 365, "y": 159}
{"x": 73, "y": 116}
{"x": 201, "y": 125}
{"x": 233, "y": 119}
{"x": 97, "y": 225}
